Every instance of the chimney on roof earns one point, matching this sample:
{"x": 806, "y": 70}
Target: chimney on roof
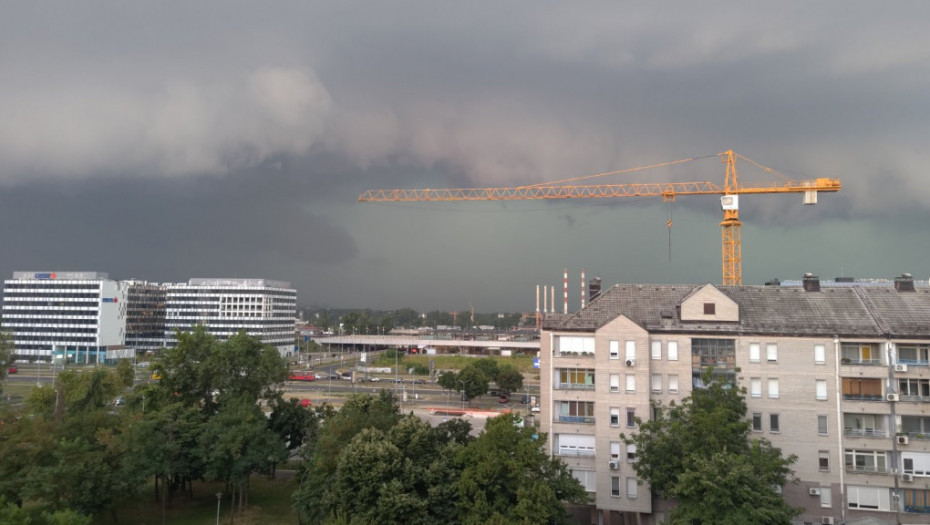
{"x": 904, "y": 283}
{"x": 811, "y": 283}
{"x": 774, "y": 282}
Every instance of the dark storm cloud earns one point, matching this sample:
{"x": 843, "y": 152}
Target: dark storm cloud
{"x": 172, "y": 139}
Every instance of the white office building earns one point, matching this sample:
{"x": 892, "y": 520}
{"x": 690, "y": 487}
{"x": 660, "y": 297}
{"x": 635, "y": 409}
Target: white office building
{"x": 262, "y": 308}
{"x": 73, "y": 315}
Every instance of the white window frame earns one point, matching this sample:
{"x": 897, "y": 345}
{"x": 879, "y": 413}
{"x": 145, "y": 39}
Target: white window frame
{"x": 754, "y": 353}
{"x": 631, "y": 383}
{"x": 671, "y": 348}
{"x": 615, "y": 486}
{"x": 630, "y": 350}
{"x": 614, "y": 349}
{"x": 771, "y": 353}
{"x": 755, "y": 387}
{"x": 656, "y": 350}
{"x": 587, "y": 478}
{"x": 773, "y": 388}
{"x": 820, "y": 389}
{"x": 826, "y": 425}
{"x": 615, "y": 450}
{"x": 614, "y": 382}
{"x": 820, "y": 354}
{"x": 631, "y": 453}
{"x": 826, "y": 498}
{"x": 632, "y": 488}
{"x": 673, "y": 383}
{"x": 614, "y": 417}
{"x": 656, "y": 382}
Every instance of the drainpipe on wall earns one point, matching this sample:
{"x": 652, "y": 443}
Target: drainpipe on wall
{"x": 837, "y": 382}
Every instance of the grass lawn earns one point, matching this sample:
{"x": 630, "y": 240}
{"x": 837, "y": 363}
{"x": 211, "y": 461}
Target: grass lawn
{"x": 269, "y": 503}
{"x": 523, "y": 363}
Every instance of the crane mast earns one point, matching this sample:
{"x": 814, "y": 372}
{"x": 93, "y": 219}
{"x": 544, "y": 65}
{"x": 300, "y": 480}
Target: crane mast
{"x": 729, "y": 201}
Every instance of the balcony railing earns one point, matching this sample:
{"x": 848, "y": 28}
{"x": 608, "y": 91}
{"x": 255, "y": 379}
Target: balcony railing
{"x": 573, "y": 354}
{"x": 575, "y": 452}
{"x": 915, "y": 435}
{"x": 866, "y": 470}
{"x": 863, "y": 397}
{"x": 860, "y": 362}
{"x": 574, "y": 386}
{"x": 908, "y": 397}
{"x": 866, "y": 432}
{"x": 584, "y": 420}
{"x": 913, "y": 362}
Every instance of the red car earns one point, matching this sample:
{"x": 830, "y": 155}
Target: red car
{"x": 305, "y": 403}
{"x": 12, "y": 370}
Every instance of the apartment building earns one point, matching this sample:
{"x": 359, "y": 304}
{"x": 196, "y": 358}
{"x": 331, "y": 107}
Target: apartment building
{"x": 839, "y": 376}
{"x": 263, "y": 308}
{"x": 70, "y": 315}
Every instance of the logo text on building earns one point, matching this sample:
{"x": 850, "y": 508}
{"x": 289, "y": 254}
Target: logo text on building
{"x": 50, "y": 275}
{"x": 109, "y": 300}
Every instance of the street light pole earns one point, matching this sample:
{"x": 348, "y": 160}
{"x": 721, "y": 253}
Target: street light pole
{"x": 463, "y": 391}
{"x": 219, "y": 498}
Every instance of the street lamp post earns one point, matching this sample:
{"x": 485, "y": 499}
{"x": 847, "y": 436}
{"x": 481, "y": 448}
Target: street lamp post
{"x": 463, "y": 391}
{"x": 219, "y": 498}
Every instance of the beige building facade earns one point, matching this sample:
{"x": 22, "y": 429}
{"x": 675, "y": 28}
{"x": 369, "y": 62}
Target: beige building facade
{"x": 839, "y": 376}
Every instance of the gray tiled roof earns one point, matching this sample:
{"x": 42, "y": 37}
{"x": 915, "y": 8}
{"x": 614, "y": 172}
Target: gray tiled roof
{"x": 771, "y": 310}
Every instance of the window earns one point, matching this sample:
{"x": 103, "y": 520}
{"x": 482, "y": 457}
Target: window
{"x": 615, "y": 417}
{"x": 575, "y": 444}
{"x": 773, "y": 423}
{"x": 673, "y": 383}
{"x": 574, "y": 345}
{"x": 656, "y": 350}
{"x": 615, "y": 486}
{"x": 757, "y": 421}
{"x": 916, "y": 463}
{"x": 754, "y": 353}
{"x": 773, "y": 388}
{"x": 575, "y": 412}
{"x": 771, "y": 353}
{"x": 860, "y": 354}
{"x": 631, "y": 417}
{"x": 826, "y": 499}
{"x": 673, "y": 350}
{"x": 866, "y": 460}
{"x": 614, "y": 382}
{"x": 821, "y": 389}
{"x": 822, "y": 425}
{"x": 862, "y": 389}
{"x": 656, "y": 382}
{"x": 823, "y": 458}
{"x": 873, "y": 498}
{"x": 630, "y": 453}
{"x": 631, "y": 488}
{"x": 914, "y": 355}
{"x": 914, "y": 388}
{"x": 615, "y": 349}
{"x": 710, "y": 309}
{"x": 575, "y": 379}
{"x": 630, "y": 383}
{"x": 755, "y": 387}
{"x": 820, "y": 354}
{"x": 915, "y": 424}
{"x": 864, "y": 425}
{"x": 587, "y": 478}
{"x": 630, "y": 350}
{"x": 615, "y": 450}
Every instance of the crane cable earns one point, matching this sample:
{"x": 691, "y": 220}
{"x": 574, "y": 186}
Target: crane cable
{"x": 618, "y": 172}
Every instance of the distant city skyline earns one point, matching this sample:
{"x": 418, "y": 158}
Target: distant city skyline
{"x": 172, "y": 140}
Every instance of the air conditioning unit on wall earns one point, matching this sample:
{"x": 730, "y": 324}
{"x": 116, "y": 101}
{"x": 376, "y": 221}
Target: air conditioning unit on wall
{"x": 902, "y": 440}
{"x": 892, "y": 397}
{"x": 907, "y": 477}
{"x": 614, "y": 465}
{"x": 814, "y": 491}
{"x": 630, "y": 362}
{"x": 827, "y": 520}
{"x": 900, "y": 368}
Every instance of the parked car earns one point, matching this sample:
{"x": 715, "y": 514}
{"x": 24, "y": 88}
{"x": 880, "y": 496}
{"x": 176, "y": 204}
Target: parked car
{"x": 534, "y": 409}
{"x": 503, "y": 399}
{"x": 12, "y": 370}
{"x": 305, "y": 403}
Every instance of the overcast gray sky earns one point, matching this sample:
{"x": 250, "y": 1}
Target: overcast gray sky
{"x": 167, "y": 140}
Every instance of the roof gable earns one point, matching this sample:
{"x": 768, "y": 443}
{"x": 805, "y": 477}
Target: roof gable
{"x": 709, "y": 304}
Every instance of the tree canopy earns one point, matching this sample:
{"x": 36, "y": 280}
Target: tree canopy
{"x": 700, "y": 453}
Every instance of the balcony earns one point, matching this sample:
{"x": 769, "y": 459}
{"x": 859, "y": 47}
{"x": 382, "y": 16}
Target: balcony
{"x": 574, "y": 386}
{"x": 573, "y": 354}
{"x": 863, "y": 397}
{"x": 860, "y": 362}
{"x": 913, "y": 362}
{"x": 913, "y": 398}
{"x": 856, "y": 469}
{"x": 866, "y": 432}
{"x": 582, "y": 420}
{"x": 568, "y": 452}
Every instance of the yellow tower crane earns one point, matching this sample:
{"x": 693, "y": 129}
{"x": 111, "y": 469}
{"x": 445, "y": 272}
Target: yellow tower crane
{"x": 563, "y": 189}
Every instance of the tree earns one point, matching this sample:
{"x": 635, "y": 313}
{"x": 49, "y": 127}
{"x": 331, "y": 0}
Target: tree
{"x": 126, "y": 373}
{"x": 6, "y": 356}
{"x": 700, "y": 453}
{"x": 508, "y": 477}
{"x": 509, "y": 379}
{"x": 447, "y": 380}
{"x": 472, "y": 382}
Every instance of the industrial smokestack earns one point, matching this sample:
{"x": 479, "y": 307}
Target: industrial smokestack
{"x": 565, "y": 291}
{"x": 537, "y": 298}
{"x": 582, "y": 288}
{"x": 552, "y": 295}
{"x": 545, "y": 299}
